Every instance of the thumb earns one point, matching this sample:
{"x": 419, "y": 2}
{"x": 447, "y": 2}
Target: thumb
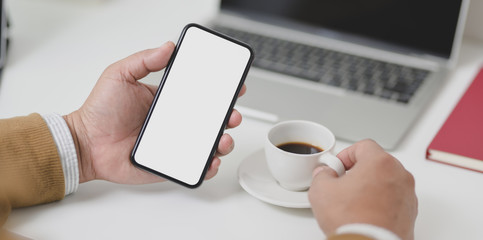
{"x": 322, "y": 173}
{"x": 140, "y": 64}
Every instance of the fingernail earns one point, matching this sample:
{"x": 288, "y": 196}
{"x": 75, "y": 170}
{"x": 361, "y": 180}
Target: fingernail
{"x": 319, "y": 169}
{"x": 168, "y": 42}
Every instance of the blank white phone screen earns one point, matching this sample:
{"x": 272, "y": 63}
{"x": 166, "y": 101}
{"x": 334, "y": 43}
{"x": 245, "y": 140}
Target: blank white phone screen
{"x": 192, "y": 105}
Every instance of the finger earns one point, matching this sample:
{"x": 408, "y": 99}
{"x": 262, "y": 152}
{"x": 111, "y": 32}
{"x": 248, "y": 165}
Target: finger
{"x": 320, "y": 175}
{"x": 323, "y": 172}
{"x": 213, "y": 170}
{"x": 140, "y": 64}
{"x": 364, "y": 150}
{"x": 235, "y": 119}
{"x": 225, "y": 146}
{"x": 243, "y": 90}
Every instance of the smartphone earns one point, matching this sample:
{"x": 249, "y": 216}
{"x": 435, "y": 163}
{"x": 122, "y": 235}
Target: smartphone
{"x": 192, "y": 105}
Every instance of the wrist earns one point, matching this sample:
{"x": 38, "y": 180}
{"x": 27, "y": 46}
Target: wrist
{"x": 86, "y": 172}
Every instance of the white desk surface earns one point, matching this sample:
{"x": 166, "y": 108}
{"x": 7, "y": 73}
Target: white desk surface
{"x": 60, "y": 47}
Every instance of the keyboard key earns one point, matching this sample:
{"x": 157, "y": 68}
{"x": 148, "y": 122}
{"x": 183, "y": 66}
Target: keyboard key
{"x": 370, "y": 89}
{"x": 399, "y": 87}
{"x": 386, "y": 94}
{"x": 404, "y": 98}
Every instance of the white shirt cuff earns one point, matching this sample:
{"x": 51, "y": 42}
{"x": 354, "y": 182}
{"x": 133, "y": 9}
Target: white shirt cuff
{"x": 67, "y": 152}
{"x": 369, "y": 230}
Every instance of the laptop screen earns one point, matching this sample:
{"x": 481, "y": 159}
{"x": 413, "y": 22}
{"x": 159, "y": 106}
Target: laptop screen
{"x": 419, "y": 26}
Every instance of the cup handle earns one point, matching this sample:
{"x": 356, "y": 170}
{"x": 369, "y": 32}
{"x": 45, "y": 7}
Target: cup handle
{"x": 333, "y": 162}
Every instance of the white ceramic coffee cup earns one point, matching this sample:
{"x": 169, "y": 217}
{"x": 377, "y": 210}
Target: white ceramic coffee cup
{"x": 294, "y": 171}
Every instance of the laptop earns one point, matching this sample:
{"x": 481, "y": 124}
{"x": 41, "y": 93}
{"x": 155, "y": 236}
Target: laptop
{"x": 365, "y": 69}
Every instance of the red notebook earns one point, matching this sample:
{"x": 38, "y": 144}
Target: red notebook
{"x": 459, "y": 142}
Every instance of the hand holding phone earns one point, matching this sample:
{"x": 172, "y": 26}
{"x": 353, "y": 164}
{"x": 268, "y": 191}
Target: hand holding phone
{"x": 192, "y": 105}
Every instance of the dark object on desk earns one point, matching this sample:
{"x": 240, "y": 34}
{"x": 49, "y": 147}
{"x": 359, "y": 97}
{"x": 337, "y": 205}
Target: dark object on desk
{"x": 3, "y": 34}
{"x": 459, "y": 142}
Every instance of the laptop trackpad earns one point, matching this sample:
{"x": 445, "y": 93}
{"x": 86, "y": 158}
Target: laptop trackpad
{"x": 351, "y": 118}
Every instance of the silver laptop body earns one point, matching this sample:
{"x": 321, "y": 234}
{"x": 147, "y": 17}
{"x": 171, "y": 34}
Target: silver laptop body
{"x": 351, "y": 112}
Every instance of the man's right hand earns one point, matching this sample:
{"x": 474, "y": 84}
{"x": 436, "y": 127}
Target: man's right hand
{"x": 376, "y": 190}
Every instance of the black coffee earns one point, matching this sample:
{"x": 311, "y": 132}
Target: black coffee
{"x": 300, "y": 148}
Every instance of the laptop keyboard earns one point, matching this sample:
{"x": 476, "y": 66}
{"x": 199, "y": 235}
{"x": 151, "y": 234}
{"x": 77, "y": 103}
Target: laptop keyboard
{"x": 372, "y": 77}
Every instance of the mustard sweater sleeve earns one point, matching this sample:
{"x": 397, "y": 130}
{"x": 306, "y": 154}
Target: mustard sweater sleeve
{"x": 30, "y": 167}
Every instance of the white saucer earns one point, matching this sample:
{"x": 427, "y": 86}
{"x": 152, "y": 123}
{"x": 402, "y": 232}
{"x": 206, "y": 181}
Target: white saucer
{"x": 255, "y": 178}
